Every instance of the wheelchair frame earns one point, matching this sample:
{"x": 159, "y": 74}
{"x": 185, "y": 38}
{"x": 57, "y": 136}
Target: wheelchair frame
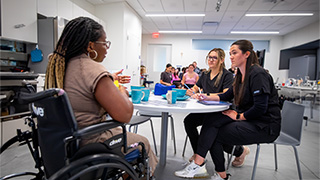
{"x": 27, "y": 136}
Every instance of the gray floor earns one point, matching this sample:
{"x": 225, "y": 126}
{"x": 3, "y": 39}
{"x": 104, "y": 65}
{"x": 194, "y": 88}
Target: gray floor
{"x": 18, "y": 159}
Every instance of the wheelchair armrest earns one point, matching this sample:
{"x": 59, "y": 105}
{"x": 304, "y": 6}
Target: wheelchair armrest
{"x": 97, "y": 128}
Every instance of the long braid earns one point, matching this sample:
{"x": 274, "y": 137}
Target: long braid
{"x": 74, "y": 41}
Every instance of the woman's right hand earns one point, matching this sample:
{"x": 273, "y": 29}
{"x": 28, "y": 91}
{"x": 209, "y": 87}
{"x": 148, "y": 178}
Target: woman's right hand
{"x": 190, "y": 92}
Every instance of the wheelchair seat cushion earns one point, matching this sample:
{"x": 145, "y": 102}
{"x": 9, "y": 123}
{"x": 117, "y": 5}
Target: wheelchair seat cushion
{"x": 133, "y": 155}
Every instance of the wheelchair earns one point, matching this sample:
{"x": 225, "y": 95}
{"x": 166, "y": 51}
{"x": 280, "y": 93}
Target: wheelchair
{"x": 54, "y": 142}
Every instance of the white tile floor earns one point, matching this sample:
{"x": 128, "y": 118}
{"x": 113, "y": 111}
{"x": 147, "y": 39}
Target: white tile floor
{"x": 18, "y": 159}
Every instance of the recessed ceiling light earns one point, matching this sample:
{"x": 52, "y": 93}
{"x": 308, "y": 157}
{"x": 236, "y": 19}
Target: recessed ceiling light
{"x": 279, "y": 14}
{"x": 254, "y": 32}
{"x": 173, "y": 15}
{"x": 181, "y": 32}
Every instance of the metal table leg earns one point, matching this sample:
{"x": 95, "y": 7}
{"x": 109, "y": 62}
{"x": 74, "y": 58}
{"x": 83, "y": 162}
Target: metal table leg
{"x": 164, "y": 134}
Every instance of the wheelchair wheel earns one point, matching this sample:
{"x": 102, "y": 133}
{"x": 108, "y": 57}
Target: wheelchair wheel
{"x": 99, "y": 166}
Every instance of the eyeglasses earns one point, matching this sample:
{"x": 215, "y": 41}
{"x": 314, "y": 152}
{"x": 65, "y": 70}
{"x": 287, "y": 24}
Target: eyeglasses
{"x": 212, "y": 58}
{"x": 105, "y": 43}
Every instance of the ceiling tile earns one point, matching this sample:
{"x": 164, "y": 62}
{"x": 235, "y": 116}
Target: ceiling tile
{"x": 162, "y": 23}
{"x": 287, "y": 5}
{"x": 225, "y": 27}
{"x": 194, "y": 23}
{"x": 151, "y": 6}
{"x": 283, "y": 22}
{"x": 173, "y": 5}
{"x": 308, "y": 5}
{"x": 195, "y": 5}
{"x": 212, "y": 4}
{"x": 262, "y": 6}
{"x": 238, "y": 5}
{"x": 263, "y": 23}
{"x": 178, "y": 23}
{"x": 229, "y": 17}
{"x": 233, "y": 16}
{"x": 246, "y": 22}
{"x": 298, "y": 24}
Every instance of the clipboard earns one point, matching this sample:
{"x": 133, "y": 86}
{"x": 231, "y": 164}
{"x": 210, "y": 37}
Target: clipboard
{"x": 215, "y": 103}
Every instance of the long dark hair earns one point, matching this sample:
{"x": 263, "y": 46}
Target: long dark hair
{"x": 238, "y": 89}
{"x": 74, "y": 41}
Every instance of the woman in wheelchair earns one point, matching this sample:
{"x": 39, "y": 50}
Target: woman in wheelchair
{"x": 75, "y": 67}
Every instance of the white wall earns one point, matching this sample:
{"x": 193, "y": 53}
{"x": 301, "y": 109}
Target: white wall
{"x": 183, "y": 54}
{"x": 123, "y": 29}
{"x": 299, "y": 37}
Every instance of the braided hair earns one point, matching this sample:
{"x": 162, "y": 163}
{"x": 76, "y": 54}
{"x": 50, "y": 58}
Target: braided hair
{"x": 221, "y": 56}
{"x": 74, "y": 41}
{"x": 238, "y": 89}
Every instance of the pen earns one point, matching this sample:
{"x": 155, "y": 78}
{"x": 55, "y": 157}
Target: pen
{"x": 189, "y": 88}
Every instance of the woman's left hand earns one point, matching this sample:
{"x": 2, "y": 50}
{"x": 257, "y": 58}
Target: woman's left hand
{"x": 231, "y": 113}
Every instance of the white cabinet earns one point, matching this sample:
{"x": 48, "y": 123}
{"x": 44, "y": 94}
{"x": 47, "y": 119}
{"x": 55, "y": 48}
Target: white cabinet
{"x": 48, "y": 8}
{"x": 65, "y": 9}
{"x": 19, "y": 20}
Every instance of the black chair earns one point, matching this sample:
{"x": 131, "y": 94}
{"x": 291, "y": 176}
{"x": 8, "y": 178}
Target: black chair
{"x": 59, "y": 140}
{"x": 136, "y": 120}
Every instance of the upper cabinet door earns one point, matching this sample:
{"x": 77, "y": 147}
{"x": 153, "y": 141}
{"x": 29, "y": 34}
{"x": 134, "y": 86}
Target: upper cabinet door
{"x": 48, "y": 8}
{"x": 19, "y": 20}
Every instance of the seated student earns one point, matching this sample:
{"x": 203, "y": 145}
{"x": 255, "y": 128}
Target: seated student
{"x": 257, "y": 118}
{"x": 175, "y": 78}
{"x": 214, "y": 81}
{"x": 196, "y": 68}
{"x": 166, "y": 76}
{"x": 190, "y": 78}
{"x": 75, "y": 67}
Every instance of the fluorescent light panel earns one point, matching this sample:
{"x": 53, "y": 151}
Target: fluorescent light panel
{"x": 279, "y": 14}
{"x": 181, "y": 32}
{"x": 173, "y": 15}
{"x": 254, "y": 32}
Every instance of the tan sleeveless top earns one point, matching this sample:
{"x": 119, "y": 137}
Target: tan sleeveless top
{"x": 81, "y": 78}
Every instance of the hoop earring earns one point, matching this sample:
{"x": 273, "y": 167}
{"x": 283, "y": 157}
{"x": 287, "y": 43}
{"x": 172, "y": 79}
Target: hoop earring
{"x": 95, "y": 52}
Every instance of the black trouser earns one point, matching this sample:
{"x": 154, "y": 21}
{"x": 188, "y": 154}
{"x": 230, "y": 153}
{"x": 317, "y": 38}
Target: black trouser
{"x": 192, "y": 121}
{"x": 223, "y": 130}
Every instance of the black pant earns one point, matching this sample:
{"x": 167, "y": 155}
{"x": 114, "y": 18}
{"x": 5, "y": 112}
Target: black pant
{"x": 192, "y": 121}
{"x": 223, "y": 130}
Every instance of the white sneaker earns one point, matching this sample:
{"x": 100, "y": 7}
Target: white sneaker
{"x": 216, "y": 176}
{"x": 193, "y": 170}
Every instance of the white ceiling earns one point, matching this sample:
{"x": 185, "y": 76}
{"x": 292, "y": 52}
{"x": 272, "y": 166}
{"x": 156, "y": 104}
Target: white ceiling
{"x": 230, "y": 17}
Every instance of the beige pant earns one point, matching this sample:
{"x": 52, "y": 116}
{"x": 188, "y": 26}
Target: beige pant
{"x": 131, "y": 139}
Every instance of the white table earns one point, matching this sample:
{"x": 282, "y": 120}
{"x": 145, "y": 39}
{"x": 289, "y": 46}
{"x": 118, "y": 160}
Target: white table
{"x": 159, "y": 104}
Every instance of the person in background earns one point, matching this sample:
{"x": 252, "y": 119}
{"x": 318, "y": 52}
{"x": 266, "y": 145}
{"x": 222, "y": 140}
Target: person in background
{"x": 216, "y": 80}
{"x": 190, "y": 78}
{"x": 175, "y": 78}
{"x": 257, "y": 118}
{"x": 166, "y": 76}
{"x": 75, "y": 66}
{"x": 183, "y": 71}
{"x": 196, "y": 68}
